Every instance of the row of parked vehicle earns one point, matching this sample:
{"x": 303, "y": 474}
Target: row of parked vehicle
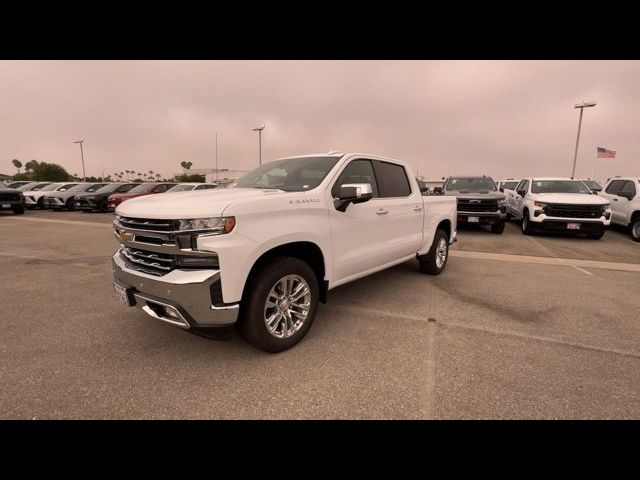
{"x": 86, "y": 196}
{"x": 551, "y": 204}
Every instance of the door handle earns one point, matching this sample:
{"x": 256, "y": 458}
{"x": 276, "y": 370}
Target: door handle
{"x": 417, "y": 208}
{"x": 615, "y": 199}
{"x": 381, "y": 211}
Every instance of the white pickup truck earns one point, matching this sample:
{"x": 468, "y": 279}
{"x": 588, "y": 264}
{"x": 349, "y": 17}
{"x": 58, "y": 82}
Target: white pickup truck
{"x": 263, "y": 253}
{"x": 624, "y": 195}
{"x": 558, "y": 205}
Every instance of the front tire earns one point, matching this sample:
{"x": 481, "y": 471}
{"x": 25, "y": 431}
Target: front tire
{"x": 527, "y": 228}
{"x": 18, "y": 210}
{"x": 634, "y": 229}
{"x": 434, "y": 262}
{"x": 69, "y": 205}
{"x": 498, "y": 227}
{"x": 279, "y": 304}
{"x": 597, "y": 236}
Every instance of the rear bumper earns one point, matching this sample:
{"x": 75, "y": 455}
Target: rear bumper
{"x": 181, "y": 298}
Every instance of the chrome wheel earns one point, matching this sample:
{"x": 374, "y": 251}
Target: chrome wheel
{"x": 287, "y": 306}
{"x": 441, "y": 253}
{"x": 635, "y": 229}
{"x": 525, "y": 220}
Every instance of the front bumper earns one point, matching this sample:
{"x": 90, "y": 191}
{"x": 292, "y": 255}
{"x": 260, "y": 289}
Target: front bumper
{"x": 53, "y": 202}
{"x": 483, "y": 218}
{"x": 181, "y": 297}
{"x": 561, "y": 225}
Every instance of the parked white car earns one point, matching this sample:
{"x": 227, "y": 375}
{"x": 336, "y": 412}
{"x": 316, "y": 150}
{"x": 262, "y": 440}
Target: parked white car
{"x": 558, "y": 205}
{"x": 35, "y": 198}
{"x": 624, "y": 195}
{"x": 266, "y": 251}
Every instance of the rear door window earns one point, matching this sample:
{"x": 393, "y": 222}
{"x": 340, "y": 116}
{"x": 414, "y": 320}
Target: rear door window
{"x": 628, "y": 188}
{"x": 392, "y": 179}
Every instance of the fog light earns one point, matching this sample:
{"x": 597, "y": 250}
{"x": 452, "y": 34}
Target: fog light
{"x": 171, "y": 312}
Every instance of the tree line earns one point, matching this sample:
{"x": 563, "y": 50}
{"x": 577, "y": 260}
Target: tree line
{"x": 52, "y": 172}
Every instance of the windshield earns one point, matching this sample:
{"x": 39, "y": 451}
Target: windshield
{"x": 509, "y": 185}
{"x": 290, "y": 175}
{"x": 182, "y": 188}
{"x": 109, "y": 187}
{"x": 470, "y": 184}
{"x": 592, "y": 184}
{"x": 39, "y": 187}
{"x": 142, "y": 188}
{"x": 558, "y": 186}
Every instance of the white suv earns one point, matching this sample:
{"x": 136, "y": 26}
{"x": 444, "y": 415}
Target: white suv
{"x": 623, "y": 193}
{"x": 560, "y": 205}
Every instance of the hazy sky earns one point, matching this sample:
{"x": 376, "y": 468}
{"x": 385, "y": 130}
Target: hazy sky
{"x": 502, "y": 118}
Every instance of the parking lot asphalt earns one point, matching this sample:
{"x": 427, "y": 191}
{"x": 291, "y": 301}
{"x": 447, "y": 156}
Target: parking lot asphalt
{"x": 489, "y": 338}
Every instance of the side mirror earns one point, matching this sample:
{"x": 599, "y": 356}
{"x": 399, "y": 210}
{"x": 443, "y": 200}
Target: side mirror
{"x": 437, "y": 190}
{"x": 628, "y": 196}
{"x": 353, "y": 193}
{"x": 501, "y": 189}
{"x": 521, "y": 193}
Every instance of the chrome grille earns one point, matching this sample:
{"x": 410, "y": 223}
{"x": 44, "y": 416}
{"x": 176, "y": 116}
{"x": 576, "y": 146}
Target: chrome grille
{"x": 562, "y": 210}
{"x": 465, "y": 205}
{"x": 10, "y": 197}
{"x": 149, "y": 224}
{"x": 149, "y": 262}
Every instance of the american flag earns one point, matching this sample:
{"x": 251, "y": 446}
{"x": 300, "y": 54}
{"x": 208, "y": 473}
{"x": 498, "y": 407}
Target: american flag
{"x": 604, "y": 153}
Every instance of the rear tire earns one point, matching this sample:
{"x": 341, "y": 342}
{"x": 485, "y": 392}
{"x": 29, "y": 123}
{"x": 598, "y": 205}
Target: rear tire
{"x": 527, "y": 229}
{"x": 18, "y": 210}
{"x": 269, "y": 294}
{"x": 634, "y": 229}
{"x": 498, "y": 227}
{"x": 69, "y": 205}
{"x": 435, "y": 260}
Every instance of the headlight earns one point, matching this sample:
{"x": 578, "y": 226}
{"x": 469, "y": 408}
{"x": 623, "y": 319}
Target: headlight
{"x": 605, "y": 208}
{"x": 90, "y": 198}
{"x": 502, "y": 202}
{"x": 540, "y": 204}
{"x": 214, "y": 226}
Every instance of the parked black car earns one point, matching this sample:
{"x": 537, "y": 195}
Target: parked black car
{"x": 97, "y": 201}
{"x": 479, "y": 201}
{"x": 12, "y": 199}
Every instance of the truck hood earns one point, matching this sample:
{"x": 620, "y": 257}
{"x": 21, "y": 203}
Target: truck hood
{"x": 570, "y": 198}
{"x": 481, "y": 195}
{"x": 190, "y": 204}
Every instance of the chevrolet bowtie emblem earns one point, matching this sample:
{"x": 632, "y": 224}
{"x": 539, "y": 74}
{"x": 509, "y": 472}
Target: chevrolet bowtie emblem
{"x": 125, "y": 236}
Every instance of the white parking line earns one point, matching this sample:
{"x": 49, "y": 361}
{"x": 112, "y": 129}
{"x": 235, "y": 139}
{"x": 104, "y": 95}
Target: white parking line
{"x": 564, "y": 262}
{"x": 62, "y": 222}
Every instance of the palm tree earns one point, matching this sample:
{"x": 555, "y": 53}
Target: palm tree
{"x": 139, "y": 175}
{"x": 127, "y": 172}
{"x": 17, "y": 163}
{"x": 184, "y": 167}
{"x": 30, "y": 165}
{"x": 158, "y": 177}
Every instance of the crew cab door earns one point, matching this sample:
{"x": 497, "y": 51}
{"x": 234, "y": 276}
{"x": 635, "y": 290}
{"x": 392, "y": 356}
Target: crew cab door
{"x": 518, "y": 197}
{"x": 377, "y": 232}
{"x": 611, "y": 193}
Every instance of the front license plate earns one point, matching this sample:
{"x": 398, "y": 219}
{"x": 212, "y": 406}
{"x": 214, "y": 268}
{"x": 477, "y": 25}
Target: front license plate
{"x": 473, "y": 219}
{"x": 573, "y": 226}
{"x": 121, "y": 294}
{"x": 6, "y": 205}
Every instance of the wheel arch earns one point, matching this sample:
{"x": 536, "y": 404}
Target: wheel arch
{"x": 308, "y": 252}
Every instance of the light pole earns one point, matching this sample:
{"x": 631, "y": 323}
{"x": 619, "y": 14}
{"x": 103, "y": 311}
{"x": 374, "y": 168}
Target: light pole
{"x": 581, "y": 106}
{"x": 84, "y": 177}
{"x": 216, "y": 158}
{"x": 259, "y": 130}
